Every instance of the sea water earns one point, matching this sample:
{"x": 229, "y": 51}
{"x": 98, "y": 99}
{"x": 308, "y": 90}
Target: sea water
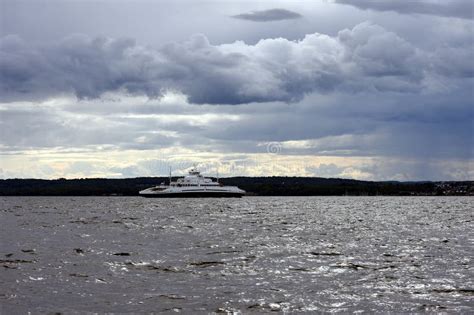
{"x": 249, "y": 255}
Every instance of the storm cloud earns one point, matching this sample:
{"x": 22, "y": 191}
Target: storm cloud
{"x": 333, "y": 95}
{"x": 365, "y": 58}
{"x": 268, "y": 15}
{"x": 448, "y": 8}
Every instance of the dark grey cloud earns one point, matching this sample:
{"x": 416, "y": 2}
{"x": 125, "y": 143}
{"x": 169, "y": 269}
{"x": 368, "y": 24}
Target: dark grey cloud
{"x": 395, "y": 96}
{"x": 268, "y": 15}
{"x": 380, "y": 124}
{"x": 364, "y": 58}
{"x": 449, "y": 8}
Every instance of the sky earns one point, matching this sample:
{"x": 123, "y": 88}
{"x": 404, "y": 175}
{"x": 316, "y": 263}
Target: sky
{"x": 370, "y": 90}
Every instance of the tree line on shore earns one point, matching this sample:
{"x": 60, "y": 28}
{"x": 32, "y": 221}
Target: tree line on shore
{"x": 260, "y": 186}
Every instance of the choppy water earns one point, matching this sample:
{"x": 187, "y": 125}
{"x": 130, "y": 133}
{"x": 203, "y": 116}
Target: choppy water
{"x": 255, "y": 254}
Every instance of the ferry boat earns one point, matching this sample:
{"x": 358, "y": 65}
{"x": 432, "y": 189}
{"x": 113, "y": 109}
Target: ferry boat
{"x": 192, "y": 185}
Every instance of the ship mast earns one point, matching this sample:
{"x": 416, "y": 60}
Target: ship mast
{"x": 170, "y": 175}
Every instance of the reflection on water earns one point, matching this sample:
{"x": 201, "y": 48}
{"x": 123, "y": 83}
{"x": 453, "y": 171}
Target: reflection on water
{"x": 259, "y": 254}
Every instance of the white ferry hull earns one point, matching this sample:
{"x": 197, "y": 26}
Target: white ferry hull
{"x": 192, "y": 192}
{"x": 200, "y": 194}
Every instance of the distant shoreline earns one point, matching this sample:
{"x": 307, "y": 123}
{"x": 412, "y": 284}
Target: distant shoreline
{"x": 255, "y": 186}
